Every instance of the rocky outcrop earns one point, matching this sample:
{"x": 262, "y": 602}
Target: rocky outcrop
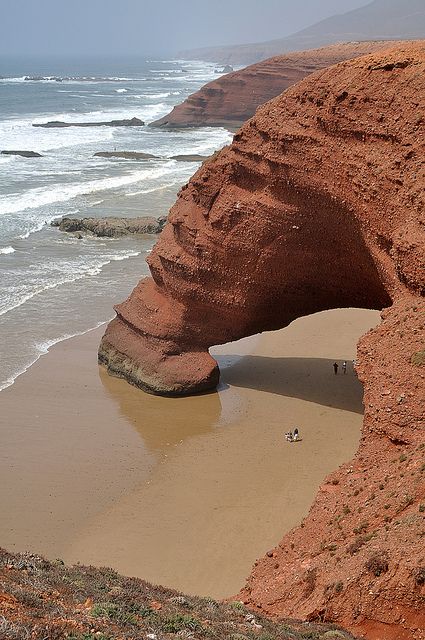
{"x": 317, "y": 204}
{"x": 110, "y": 227}
{"x": 232, "y": 99}
{"x": 189, "y": 157}
{"x": 377, "y": 20}
{"x": 23, "y": 154}
{"x": 125, "y": 155}
{"x": 139, "y": 155}
{"x": 133, "y": 122}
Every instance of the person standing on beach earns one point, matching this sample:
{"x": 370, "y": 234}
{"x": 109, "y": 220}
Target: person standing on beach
{"x": 344, "y": 367}
{"x": 335, "y": 366}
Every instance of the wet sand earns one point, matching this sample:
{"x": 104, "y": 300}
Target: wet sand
{"x": 184, "y": 492}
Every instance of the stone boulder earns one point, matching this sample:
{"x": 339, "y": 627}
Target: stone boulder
{"x": 110, "y": 227}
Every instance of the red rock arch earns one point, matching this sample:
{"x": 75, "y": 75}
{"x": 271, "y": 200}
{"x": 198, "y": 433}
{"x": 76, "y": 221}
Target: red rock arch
{"x": 318, "y": 203}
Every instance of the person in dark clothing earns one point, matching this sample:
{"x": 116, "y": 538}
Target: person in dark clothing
{"x": 335, "y": 366}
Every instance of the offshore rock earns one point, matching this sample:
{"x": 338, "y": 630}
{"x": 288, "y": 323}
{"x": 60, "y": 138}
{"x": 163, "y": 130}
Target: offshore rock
{"x": 317, "y": 204}
{"x": 125, "y": 155}
{"x": 133, "y": 122}
{"x": 110, "y": 227}
{"x": 232, "y": 99}
{"x": 23, "y": 154}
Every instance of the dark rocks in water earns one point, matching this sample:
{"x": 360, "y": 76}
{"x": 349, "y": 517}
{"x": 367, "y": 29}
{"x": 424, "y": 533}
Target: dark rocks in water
{"x": 190, "y": 157}
{"x": 111, "y": 227}
{"x": 139, "y": 155}
{"x": 133, "y": 122}
{"x": 24, "y": 154}
{"x": 128, "y": 155}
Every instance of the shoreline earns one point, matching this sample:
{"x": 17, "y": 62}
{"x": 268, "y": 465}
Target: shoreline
{"x": 185, "y": 492}
{"x": 49, "y": 345}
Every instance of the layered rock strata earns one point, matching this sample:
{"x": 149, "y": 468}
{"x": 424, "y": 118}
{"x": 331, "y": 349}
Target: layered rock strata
{"x": 233, "y": 98}
{"x": 317, "y": 204}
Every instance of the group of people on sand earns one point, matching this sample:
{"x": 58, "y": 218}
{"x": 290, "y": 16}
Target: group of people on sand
{"x": 293, "y": 436}
{"x": 343, "y": 367}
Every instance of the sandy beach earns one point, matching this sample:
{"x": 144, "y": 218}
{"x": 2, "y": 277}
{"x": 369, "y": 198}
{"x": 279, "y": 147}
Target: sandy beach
{"x": 184, "y": 492}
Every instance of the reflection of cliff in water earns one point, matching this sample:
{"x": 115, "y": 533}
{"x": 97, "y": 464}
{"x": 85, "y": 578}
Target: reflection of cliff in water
{"x": 163, "y": 421}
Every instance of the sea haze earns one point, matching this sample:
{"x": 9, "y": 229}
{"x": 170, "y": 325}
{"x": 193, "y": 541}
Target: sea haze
{"x": 53, "y": 285}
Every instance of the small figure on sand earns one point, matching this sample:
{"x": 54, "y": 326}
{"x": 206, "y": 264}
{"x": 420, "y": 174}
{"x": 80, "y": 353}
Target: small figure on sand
{"x": 335, "y": 366}
{"x": 344, "y": 367}
{"x": 292, "y": 437}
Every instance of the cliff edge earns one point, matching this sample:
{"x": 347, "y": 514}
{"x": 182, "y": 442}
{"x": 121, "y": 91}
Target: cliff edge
{"x": 317, "y": 204}
{"x": 234, "y": 97}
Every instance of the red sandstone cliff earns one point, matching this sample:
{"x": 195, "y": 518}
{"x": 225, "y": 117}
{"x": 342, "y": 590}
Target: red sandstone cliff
{"x": 317, "y": 204}
{"x": 233, "y": 98}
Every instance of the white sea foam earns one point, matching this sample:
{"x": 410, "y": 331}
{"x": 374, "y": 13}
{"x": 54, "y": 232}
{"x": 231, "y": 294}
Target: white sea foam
{"x": 7, "y": 250}
{"x": 19, "y": 79}
{"x": 17, "y": 133}
{"x": 42, "y": 348}
{"x": 39, "y": 224}
{"x": 42, "y": 196}
{"x": 155, "y": 96}
{"x": 21, "y": 294}
{"x": 153, "y": 189}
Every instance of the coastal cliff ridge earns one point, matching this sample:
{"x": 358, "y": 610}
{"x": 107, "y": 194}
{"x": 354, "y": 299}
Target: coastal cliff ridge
{"x": 317, "y": 204}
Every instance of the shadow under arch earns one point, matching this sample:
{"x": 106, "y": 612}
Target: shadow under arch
{"x": 301, "y": 378}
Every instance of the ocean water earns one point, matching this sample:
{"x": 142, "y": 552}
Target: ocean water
{"x": 52, "y": 285}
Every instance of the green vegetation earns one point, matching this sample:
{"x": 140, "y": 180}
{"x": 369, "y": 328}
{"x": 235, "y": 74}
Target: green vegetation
{"x": 179, "y": 622}
{"x": 113, "y": 611}
{"x": 85, "y": 603}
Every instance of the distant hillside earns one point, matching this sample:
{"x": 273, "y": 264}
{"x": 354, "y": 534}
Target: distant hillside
{"x": 379, "y": 20}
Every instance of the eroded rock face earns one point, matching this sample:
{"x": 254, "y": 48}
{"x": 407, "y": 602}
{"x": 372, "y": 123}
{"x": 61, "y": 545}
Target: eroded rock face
{"x": 232, "y": 99}
{"x": 318, "y": 203}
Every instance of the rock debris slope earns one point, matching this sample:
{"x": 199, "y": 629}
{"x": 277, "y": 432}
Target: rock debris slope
{"x": 317, "y": 204}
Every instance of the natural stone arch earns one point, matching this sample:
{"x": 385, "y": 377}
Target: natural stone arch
{"x": 341, "y": 157}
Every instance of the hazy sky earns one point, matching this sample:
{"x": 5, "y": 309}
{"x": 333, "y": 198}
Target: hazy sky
{"x": 152, "y": 26}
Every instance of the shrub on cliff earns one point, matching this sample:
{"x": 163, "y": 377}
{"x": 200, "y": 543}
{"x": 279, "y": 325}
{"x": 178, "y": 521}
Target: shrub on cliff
{"x": 378, "y": 563}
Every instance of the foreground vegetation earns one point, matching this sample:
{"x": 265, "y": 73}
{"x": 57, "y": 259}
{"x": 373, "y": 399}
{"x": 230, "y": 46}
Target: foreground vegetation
{"x": 41, "y": 600}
